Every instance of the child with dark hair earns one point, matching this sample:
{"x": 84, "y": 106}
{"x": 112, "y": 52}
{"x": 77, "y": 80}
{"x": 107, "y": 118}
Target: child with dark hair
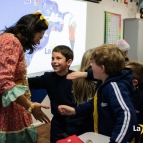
{"x": 15, "y": 105}
{"x": 58, "y": 88}
{"x": 113, "y": 114}
{"x": 137, "y": 97}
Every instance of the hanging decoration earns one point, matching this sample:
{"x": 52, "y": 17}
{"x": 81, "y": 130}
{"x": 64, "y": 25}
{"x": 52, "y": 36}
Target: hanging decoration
{"x": 139, "y": 3}
{"x": 125, "y": 1}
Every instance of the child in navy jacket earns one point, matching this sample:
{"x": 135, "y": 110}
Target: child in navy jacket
{"x": 114, "y": 114}
{"x": 58, "y": 88}
{"x": 137, "y": 97}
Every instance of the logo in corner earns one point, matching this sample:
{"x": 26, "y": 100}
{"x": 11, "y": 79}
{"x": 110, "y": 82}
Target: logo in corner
{"x": 142, "y": 128}
{"x": 138, "y": 129}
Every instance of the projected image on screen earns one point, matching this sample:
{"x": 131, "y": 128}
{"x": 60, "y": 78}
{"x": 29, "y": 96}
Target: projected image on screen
{"x": 67, "y": 26}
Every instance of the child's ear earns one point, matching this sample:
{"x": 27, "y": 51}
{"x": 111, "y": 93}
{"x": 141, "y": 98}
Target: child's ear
{"x": 135, "y": 82}
{"x": 69, "y": 62}
{"x": 103, "y": 68}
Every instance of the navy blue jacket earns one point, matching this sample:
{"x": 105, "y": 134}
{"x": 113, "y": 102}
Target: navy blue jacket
{"x": 137, "y": 100}
{"x": 58, "y": 88}
{"x": 116, "y": 114}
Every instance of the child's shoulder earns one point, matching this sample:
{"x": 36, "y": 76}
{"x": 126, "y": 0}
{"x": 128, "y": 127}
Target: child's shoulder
{"x": 139, "y": 91}
{"x": 115, "y": 86}
{"x": 49, "y": 74}
{"x": 70, "y": 71}
{"x": 141, "y": 87}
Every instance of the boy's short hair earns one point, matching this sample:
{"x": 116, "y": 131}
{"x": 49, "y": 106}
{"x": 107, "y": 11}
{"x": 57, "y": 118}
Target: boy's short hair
{"x": 137, "y": 69}
{"x": 65, "y": 51}
{"x": 111, "y": 57}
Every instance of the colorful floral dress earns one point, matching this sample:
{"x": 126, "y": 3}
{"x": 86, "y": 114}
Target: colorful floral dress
{"x": 15, "y": 123}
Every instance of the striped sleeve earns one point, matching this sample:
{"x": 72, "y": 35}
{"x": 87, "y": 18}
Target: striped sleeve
{"x": 125, "y": 115}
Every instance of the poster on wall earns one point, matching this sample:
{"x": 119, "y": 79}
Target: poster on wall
{"x": 112, "y": 27}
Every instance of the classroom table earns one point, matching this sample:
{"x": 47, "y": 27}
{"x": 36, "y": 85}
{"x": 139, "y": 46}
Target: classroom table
{"x": 94, "y": 137}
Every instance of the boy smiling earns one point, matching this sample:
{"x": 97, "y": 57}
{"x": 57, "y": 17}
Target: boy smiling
{"x": 58, "y": 88}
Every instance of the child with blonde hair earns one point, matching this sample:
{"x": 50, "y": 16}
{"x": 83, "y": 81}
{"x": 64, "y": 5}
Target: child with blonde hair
{"x": 83, "y": 91}
{"x": 113, "y": 114}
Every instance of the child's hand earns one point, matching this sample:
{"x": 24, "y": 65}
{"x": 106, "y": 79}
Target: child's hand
{"x": 66, "y": 110}
{"x": 39, "y": 114}
{"x": 76, "y": 75}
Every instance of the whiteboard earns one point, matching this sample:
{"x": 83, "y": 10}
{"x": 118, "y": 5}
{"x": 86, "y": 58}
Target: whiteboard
{"x": 67, "y": 26}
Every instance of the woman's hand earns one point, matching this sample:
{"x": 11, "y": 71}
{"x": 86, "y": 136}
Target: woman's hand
{"x": 66, "y": 110}
{"x": 76, "y": 75}
{"x": 39, "y": 114}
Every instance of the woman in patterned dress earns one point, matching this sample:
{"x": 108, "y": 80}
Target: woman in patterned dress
{"x": 15, "y": 105}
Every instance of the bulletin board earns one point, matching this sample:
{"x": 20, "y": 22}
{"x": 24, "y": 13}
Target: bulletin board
{"x": 112, "y": 27}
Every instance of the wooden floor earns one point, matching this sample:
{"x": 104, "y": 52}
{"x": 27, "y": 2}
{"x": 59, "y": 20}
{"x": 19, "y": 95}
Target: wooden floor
{"x": 44, "y": 133}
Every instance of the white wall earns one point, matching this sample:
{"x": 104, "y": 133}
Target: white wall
{"x": 95, "y": 19}
{"x": 95, "y": 28}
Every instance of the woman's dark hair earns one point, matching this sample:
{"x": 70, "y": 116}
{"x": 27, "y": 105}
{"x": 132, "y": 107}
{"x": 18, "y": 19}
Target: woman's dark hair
{"x": 25, "y": 29}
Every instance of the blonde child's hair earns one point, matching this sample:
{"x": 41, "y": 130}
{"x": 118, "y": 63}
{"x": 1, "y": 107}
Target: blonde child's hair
{"x": 111, "y": 57}
{"x": 84, "y": 89}
{"x": 137, "y": 69}
{"x": 85, "y": 63}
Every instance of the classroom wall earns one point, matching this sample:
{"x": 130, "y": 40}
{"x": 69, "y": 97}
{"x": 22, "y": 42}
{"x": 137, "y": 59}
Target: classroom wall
{"x": 95, "y": 19}
{"x": 95, "y": 28}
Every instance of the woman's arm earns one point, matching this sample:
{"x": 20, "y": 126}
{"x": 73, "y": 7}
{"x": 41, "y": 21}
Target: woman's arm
{"x": 35, "y": 110}
{"x": 11, "y": 57}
